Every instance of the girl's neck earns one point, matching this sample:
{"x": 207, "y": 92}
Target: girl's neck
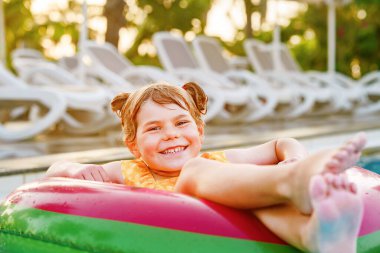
{"x": 159, "y": 174}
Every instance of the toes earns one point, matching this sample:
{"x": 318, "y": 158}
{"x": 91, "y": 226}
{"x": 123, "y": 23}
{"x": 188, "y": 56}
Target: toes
{"x": 344, "y": 158}
{"x": 341, "y": 182}
{"x": 318, "y": 187}
{"x": 345, "y": 182}
{"x": 353, "y": 188}
{"x": 337, "y": 182}
{"x": 334, "y": 165}
{"x": 359, "y": 141}
{"x": 350, "y": 148}
{"x": 342, "y": 154}
{"x": 329, "y": 178}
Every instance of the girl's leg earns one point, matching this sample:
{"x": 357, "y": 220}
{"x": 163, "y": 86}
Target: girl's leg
{"x": 251, "y": 186}
{"x": 333, "y": 226}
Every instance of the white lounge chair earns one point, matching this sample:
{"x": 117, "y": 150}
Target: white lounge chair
{"x": 364, "y": 93}
{"x": 43, "y": 108}
{"x": 99, "y": 78}
{"x": 261, "y": 58}
{"x": 209, "y": 54}
{"x": 177, "y": 58}
{"x": 107, "y": 63}
{"x": 341, "y": 92}
{"x": 88, "y": 109}
{"x": 370, "y": 83}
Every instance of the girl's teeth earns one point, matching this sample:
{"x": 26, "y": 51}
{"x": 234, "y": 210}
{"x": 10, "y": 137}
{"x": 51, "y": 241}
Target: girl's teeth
{"x": 174, "y": 150}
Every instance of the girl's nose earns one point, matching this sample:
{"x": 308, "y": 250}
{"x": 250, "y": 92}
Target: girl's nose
{"x": 171, "y": 133}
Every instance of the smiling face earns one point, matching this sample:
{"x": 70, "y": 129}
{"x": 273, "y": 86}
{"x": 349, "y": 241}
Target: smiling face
{"x": 166, "y": 137}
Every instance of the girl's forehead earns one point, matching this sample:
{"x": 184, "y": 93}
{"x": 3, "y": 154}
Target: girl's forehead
{"x": 151, "y": 109}
{"x": 149, "y": 105}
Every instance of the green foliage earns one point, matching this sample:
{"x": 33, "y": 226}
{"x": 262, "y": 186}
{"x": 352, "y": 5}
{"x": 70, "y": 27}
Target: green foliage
{"x": 20, "y": 28}
{"x": 169, "y": 14}
{"x": 25, "y": 30}
{"x": 165, "y": 15}
{"x": 358, "y": 30}
{"x": 357, "y": 40}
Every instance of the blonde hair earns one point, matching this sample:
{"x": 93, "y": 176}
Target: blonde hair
{"x": 190, "y": 97}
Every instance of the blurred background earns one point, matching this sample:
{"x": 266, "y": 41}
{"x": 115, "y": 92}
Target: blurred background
{"x": 54, "y": 27}
{"x": 41, "y": 72}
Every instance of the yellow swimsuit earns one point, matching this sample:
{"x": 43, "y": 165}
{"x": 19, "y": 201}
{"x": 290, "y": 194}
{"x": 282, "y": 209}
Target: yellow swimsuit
{"x": 136, "y": 173}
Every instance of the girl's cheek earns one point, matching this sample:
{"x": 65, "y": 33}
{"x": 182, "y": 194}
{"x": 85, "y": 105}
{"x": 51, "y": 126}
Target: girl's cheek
{"x": 151, "y": 142}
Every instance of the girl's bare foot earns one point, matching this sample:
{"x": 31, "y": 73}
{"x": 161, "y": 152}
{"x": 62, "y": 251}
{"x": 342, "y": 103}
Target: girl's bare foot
{"x": 330, "y": 161}
{"x": 335, "y": 222}
{"x": 348, "y": 154}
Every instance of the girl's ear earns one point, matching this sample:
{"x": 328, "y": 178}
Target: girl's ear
{"x": 132, "y": 146}
{"x": 198, "y": 95}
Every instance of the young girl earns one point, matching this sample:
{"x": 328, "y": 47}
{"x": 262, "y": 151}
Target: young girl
{"x": 304, "y": 199}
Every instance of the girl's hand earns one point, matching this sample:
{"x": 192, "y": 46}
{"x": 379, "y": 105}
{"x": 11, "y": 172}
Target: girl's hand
{"x": 91, "y": 172}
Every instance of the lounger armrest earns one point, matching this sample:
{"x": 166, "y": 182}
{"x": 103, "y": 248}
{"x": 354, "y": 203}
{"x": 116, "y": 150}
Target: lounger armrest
{"x": 54, "y": 101}
{"x": 280, "y": 79}
{"x": 337, "y": 80}
{"x": 324, "y": 78}
{"x": 9, "y": 79}
{"x": 370, "y": 79}
{"x": 349, "y": 82}
{"x": 110, "y": 78}
{"x": 246, "y": 77}
{"x": 307, "y": 80}
{"x": 49, "y": 71}
{"x": 239, "y": 62}
{"x": 316, "y": 75}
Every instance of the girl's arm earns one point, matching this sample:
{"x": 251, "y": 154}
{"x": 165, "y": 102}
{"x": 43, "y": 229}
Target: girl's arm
{"x": 272, "y": 152}
{"x": 109, "y": 172}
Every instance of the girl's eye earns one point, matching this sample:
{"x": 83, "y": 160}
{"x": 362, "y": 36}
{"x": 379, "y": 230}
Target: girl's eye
{"x": 153, "y": 129}
{"x": 182, "y": 122}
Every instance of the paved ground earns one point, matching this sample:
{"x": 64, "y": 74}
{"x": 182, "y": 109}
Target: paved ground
{"x": 314, "y": 132}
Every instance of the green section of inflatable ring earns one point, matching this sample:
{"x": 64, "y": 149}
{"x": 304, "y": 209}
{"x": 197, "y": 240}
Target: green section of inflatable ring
{"x": 18, "y": 244}
{"x": 61, "y": 233}
{"x": 369, "y": 243}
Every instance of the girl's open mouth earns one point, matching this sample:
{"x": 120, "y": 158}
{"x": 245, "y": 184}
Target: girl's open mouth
{"x": 173, "y": 150}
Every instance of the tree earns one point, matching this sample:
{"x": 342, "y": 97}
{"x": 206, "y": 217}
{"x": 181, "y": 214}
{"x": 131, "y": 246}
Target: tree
{"x": 159, "y": 15}
{"x": 357, "y": 38}
{"x": 358, "y": 28}
{"x": 114, "y": 11}
{"x": 20, "y": 28}
{"x": 250, "y": 9}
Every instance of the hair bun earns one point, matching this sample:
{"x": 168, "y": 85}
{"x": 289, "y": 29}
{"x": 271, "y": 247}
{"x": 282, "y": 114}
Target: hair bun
{"x": 198, "y": 95}
{"x": 118, "y": 102}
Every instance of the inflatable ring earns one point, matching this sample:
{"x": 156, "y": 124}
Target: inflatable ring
{"x": 71, "y": 216}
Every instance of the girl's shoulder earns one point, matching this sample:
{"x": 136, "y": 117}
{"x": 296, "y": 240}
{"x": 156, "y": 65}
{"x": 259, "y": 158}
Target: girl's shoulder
{"x": 133, "y": 167}
{"x": 133, "y": 162}
{"x": 219, "y": 155}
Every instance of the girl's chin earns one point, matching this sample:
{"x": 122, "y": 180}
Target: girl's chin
{"x": 172, "y": 164}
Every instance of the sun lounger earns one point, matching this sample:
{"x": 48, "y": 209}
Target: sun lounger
{"x": 107, "y": 62}
{"x": 209, "y": 54}
{"x": 340, "y": 92}
{"x": 177, "y": 58}
{"x": 88, "y": 109}
{"x": 26, "y": 111}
